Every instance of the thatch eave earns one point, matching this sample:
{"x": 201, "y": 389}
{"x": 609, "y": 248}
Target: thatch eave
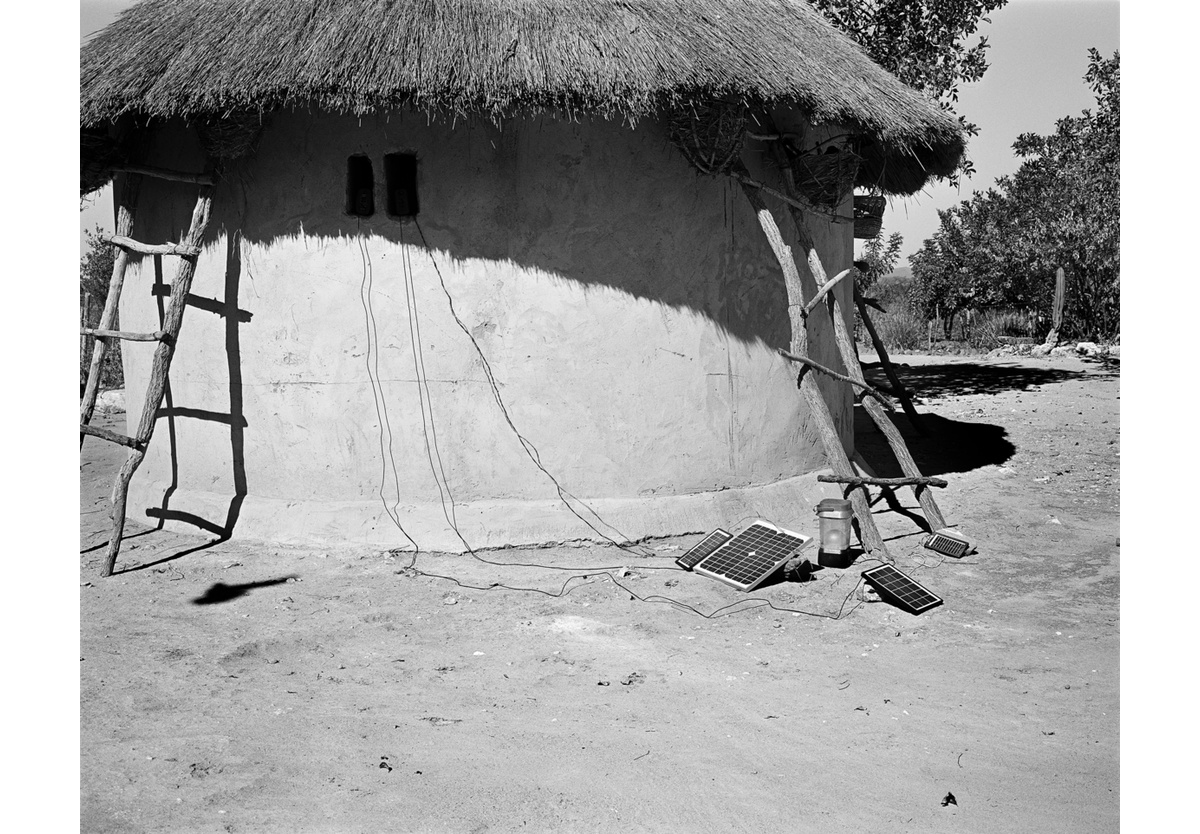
{"x": 616, "y": 59}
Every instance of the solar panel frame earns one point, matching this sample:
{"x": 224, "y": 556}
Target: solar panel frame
{"x": 907, "y": 592}
{"x": 752, "y": 555}
{"x": 703, "y": 548}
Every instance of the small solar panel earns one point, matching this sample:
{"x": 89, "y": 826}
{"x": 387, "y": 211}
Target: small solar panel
{"x": 948, "y": 543}
{"x": 703, "y": 548}
{"x": 752, "y": 555}
{"x": 901, "y": 588}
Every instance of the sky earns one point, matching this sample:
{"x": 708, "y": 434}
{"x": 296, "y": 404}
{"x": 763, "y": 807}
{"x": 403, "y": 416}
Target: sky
{"x": 1038, "y": 57}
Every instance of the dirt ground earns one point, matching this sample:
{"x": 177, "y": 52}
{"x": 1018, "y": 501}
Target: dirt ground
{"x": 254, "y": 688}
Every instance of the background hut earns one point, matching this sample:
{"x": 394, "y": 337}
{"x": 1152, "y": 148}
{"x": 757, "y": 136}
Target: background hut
{"x": 460, "y": 285}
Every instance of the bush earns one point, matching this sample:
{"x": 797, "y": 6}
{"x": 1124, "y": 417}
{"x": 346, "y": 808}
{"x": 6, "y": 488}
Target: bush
{"x": 901, "y": 331}
{"x": 95, "y": 271}
{"x": 900, "y": 328}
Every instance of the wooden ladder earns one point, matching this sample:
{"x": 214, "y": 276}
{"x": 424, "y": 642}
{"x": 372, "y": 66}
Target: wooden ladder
{"x": 187, "y": 250}
{"x": 854, "y": 484}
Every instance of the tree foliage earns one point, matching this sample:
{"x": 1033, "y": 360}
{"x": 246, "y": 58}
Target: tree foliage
{"x": 95, "y": 267}
{"x": 95, "y": 272}
{"x": 924, "y": 43}
{"x": 1061, "y": 208}
{"x": 879, "y": 258}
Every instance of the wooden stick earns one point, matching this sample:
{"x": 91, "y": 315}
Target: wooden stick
{"x": 122, "y": 334}
{"x": 795, "y": 202}
{"x": 125, "y": 205}
{"x": 166, "y": 174}
{"x": 830, "y": 284}
{"x": 881, "y": 350}
{"x": 867, "y": 387}
{"x": 888, "y": 482}
{"x": 131, "y": 245}
{"x": 818, "y": 409}
{"x": 172, "y": 323}
{"x": 112, "y": 436}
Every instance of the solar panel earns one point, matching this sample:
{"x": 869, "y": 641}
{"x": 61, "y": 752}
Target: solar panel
{"x": 703, "y": 548}
{"x": 901, "y": 588}
{"x": 948, "y": 543}
{"x": 752, "y": 555}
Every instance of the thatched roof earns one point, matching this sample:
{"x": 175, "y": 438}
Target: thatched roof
{"x": 617, "y": 58}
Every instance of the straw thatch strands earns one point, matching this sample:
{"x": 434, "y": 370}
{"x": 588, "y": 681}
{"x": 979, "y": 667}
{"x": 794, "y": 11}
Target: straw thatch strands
{"x": 196, "y": 59}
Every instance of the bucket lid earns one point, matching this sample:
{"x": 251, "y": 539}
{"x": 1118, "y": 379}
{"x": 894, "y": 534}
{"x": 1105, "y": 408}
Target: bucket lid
{"x": 835, "y": 507}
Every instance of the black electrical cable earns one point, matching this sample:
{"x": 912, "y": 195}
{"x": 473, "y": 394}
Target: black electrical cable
{"x": 526, "y": 444}
{"x": 429, "y": 428}
{"x": 364, "y": 295}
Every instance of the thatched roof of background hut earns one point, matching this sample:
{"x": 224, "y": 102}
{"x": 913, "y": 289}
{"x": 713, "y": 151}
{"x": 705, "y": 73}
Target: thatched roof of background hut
{"x": 196, "y": 59}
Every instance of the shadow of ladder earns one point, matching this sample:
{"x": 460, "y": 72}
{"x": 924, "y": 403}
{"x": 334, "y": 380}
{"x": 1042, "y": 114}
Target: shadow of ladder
{"x": 166, "y": 337}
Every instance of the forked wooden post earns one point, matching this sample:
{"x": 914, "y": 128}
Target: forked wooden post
{"x": 845, "y": 342}
{"x": 172, "y": 322}
{"x": 819, "y": 409}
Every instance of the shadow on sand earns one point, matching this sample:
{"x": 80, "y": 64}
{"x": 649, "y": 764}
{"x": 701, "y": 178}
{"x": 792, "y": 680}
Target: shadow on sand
{"x": 220, "y": 592}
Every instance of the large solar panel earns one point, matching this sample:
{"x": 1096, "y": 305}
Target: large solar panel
{"x": 901, "y": 588}
{"x": 752, "y": 555}
{"x": 703, "y": 548}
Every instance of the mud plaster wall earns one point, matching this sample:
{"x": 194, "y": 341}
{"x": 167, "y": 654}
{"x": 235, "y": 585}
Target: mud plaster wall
{"x": 628, "y": 308}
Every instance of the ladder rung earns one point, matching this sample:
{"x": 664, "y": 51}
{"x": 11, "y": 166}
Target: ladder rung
{"x": 166, "y": 174}
{"x": 111, "y": 436}
{"x": 151, "y": 249}
{"x": 889, "y": 482}
{"x": 157, "y": 336}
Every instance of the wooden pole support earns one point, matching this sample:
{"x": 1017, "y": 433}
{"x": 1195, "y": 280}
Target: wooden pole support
{"x": 830, "y": 284}
{"x": 818, "y": 409}
{"x": 845, "y": 342}
{"x": 885, "y": 482}
{"x": 866, "y": 387}
{"x": 139, "y": 248}
{"x": 112, "y": 436}
{"x": 156, "y": 336}
{"x": 745, "y": 179}
{"x": 166, "y": 174}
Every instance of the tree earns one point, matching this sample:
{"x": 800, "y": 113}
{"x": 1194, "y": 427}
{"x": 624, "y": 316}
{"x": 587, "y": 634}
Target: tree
{"x": 1069, "y": 192}
{"x": 95, "y": 272}
{"x": 879, "y": 258}
{"x": 1061, "y": 208}
{"x": 924, "y": 43}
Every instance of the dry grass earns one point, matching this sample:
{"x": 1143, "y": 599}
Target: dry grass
{"x": 196, "y": 59}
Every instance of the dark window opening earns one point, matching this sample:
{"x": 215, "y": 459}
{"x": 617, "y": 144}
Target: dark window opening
{"x": 360, "y": 187}
{"x": 400, "y": 170}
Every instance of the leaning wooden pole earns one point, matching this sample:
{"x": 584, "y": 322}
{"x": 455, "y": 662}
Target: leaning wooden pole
{"x": 897, "y": 386}
{"x": 173, "y": 320}
{"x": 125, "y": 207}
{"x": 845, "y": 342}
{"x": 818, "y": 408}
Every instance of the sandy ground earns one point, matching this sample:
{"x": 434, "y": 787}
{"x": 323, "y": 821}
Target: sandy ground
{"x": 253, "y": 688}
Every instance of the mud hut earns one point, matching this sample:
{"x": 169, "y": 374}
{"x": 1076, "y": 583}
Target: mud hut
{"x": 476, "y": 273}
